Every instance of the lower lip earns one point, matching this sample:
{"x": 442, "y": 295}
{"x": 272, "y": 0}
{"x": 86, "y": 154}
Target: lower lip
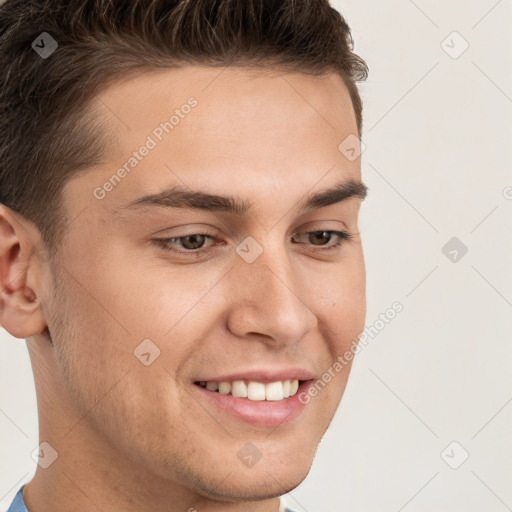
{"x": 264, "y": 413}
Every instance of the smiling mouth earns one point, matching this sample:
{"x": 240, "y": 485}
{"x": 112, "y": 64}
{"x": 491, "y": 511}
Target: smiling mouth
{"x": 254, "y": 390}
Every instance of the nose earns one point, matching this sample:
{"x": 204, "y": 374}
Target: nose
{"x": 268, "y": 301}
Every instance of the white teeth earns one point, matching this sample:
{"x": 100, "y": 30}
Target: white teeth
{"x": 212, "y": 386}
{"x": 256, "y": 391}
{"x": 239, "y": 388}
{"x": 286, "y": 388}
{"x": 273, "y": 391}
{"x": 224, "y": 388}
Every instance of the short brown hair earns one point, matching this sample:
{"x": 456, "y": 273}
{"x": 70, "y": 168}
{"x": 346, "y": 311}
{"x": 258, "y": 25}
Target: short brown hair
{"x": 47, "y": 132}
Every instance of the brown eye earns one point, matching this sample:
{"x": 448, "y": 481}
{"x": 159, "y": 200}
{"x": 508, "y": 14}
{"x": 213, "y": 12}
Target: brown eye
{"x": 322, "y": 238}
{"x": 192, "y": 241}
{"x": 320, "y": 235}
{"x": 186, "y": 245}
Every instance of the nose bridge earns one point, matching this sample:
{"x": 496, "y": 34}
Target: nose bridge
{"x": 267, "y": 299}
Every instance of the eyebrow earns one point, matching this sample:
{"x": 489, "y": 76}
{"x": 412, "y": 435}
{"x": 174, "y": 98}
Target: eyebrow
{"x": 178, "y": 197}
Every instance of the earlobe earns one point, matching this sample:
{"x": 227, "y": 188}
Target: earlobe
{"x": 20, "y": 311}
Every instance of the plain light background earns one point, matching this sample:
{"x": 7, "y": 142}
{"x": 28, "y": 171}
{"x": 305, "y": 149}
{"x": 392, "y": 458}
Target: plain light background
{"x": 434, "y": 386}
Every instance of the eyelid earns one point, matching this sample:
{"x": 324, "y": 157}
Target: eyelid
{"x": 189, "y": 231}
{"x": 166, "y": 243}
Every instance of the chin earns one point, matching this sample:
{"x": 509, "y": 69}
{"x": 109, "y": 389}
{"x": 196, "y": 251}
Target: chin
{"x": 255, "y": 487}
{"x": 231, "y": 481}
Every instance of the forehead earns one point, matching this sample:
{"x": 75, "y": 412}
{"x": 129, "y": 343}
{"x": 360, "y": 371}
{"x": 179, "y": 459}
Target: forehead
{"x": 223, "y": 128}
{"x": 233, "y": 104}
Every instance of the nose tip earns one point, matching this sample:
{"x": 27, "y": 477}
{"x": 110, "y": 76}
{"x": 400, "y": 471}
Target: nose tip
{"x": 268, "y": 307}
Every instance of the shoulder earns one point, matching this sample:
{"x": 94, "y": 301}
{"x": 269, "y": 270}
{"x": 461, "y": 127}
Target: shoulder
{"x": 18, "y": 505}
{"x": 283, "y": 507}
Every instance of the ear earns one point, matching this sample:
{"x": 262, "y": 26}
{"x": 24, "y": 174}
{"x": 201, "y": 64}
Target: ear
{"x": 20, "y": 311}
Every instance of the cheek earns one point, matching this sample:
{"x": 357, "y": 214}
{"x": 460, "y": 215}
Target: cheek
{"x": 150, "y": 296}
{"x": 345, "y": 305}
{"x": 106, "y": 380}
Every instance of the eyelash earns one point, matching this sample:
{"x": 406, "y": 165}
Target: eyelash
{"x": 166, "y": 243}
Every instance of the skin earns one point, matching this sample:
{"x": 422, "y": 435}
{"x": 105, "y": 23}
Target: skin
{"x": 131, "y": 437}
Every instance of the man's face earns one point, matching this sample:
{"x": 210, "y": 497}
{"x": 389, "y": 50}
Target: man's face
{"x": 263, "y": 298}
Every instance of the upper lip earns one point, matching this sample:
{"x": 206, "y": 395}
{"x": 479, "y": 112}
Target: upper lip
{"x": 262, "y": 375}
